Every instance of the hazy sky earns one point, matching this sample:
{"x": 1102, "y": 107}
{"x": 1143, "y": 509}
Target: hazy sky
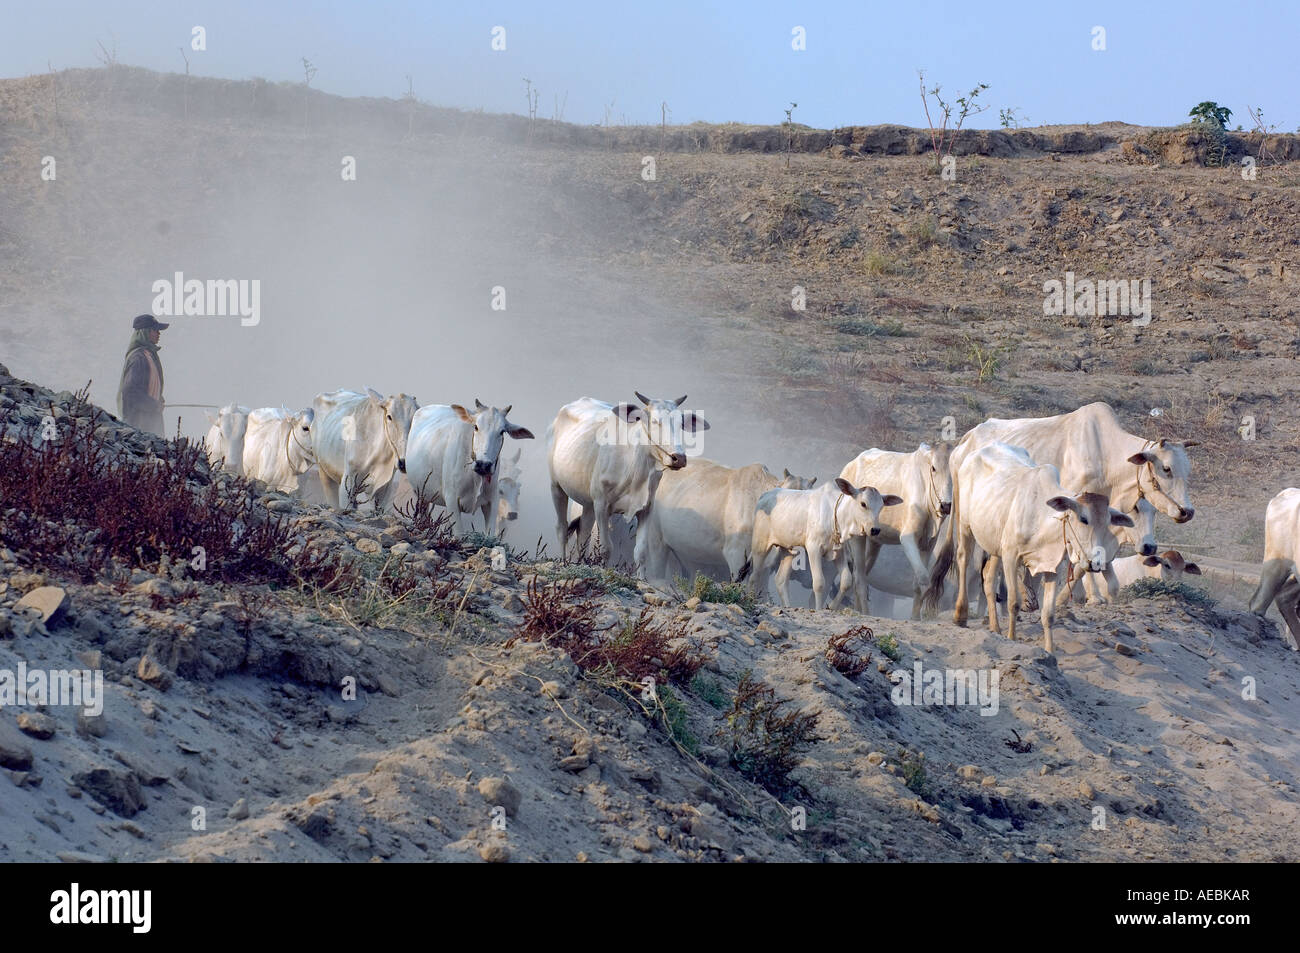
{"x": 712, "y": 62}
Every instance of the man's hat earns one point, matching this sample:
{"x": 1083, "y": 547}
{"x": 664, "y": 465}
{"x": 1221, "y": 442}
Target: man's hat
{"x": 149, "y": 323}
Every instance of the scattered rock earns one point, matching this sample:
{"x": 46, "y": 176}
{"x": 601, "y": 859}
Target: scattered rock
{"x": 119, "y": 791}
{"x": 495, "y": 852}
{"x": 239, "y": 810}
{"x": 14, "y": 754}
{"x": 37, "y": 725}
{"x": 499, "y": 791}
{"x": 49, "y": 601}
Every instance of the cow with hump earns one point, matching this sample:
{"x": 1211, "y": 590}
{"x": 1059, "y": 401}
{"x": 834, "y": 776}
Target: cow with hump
{"x": 1277, "y": 576}
{"x": 1095, "y": 454}
{"x": 703, "y": 520}
{"x": 608, "y": 458}
{"x": 819, "y": 521}
{"x": 277, "y": 446}
{"x": 923, "y": 480}
{"x": 453, "y": 458}
{"x": 360, "y": 441}
{"x": 1017, "y": 512}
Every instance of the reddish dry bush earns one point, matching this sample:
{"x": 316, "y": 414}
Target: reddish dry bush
{"x": 844, "y": 658}
{"x": 765, "y": 736}
{"x": 75, "y": 501}
{"x": 556, "y": 615}
{"x": 430, "y": 528}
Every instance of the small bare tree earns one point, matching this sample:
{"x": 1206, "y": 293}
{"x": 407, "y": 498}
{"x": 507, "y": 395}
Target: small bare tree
{"x": 186, "y": 58}
{"x": 558, "y": 114}
{"x": 788, "y": 126}
{"x": 308, "y": 71}
{"x": 1257, "y": 116}
{"x": 940, "y": 140}
{"x": 531, "y": 95}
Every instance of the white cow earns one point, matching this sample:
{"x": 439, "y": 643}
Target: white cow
{"x": 361, "y": 437}
{"x": 225, "y": 439}
{"x": 703, "y": 519}
{"x": 820, "y": 521}
{"x": 1281, "y": 556}
{"x": 924, "y": 481}
{"x": 452, "y": 458}
{"x": 1094, "y": 454}
{"x": 1142, "y": 537}
{"x": 508, "y": 483}
{"x": 609, "y": 459}
{"x": 277, "y": 447}
{"x": 1007, "y": 508}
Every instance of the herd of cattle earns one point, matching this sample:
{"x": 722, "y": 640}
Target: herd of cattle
{"x": 1040, "y": 504}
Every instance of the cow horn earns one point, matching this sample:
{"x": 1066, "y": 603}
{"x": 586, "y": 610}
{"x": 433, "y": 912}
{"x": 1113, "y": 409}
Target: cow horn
{"x": 377, "y": 397}
{"x": 680, "y": 400}
{"x": 1191, "y": 443}
{"x": 478, "y": 404}
{"x": 642, "y": 397}
{"x": 786, "y": 473}
{"x": 505, "y": 411}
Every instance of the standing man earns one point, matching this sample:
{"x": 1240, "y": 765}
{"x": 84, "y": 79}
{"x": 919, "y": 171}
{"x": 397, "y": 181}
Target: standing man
{"x": 140, "y": 398}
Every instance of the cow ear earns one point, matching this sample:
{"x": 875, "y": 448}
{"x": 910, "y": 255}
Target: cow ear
{"x": 785, "y": 474}
{"x": 1120, "y": 519}
{"x": 520, "y": 433}
{"x": 847, "y": 488}
{"x": 374, "y": 395}
{"x": 1145, "y": 456}
{"x": 629, "y": 412}
{"x": 692, "y": 422}
{"x": 308, "y": 417}
{"x": 462, "y": 413}
{"x": 1192, "y": 568}
{"x": 891, "y": 499}
{"x": 1191, "y": 443}
{"x": 1153, "y": 561}
{"x": 1063, "y": 504}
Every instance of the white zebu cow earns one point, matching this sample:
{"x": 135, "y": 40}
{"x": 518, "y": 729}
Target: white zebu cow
{"x": 703, "y": 520}
{"x": 609, "y": 458}
{"x": 360, "y": 437}
{"x": 1094, "y": 454}
{"x": 1142, "y": 537}
{"x": 508, "y": 483}
{"x": 225, "y": 439}
{"x": 1169, "y": 566}
{"x": 1007, "y": 509}
{"x": 452, "y": 458}
{"x": 277, "y": 447}
{"x": 1281, "y": 556}
{"x": 924, "y": 481}
{"x": 819, "y": 521}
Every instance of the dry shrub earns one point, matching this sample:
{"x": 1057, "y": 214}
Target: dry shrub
{"x": 427, "y": 526}
{"x": 843, "y": 657}
{"x": 553, "y": 614}
{"x": 76, "y": 501}
{"x": 765, "y": 735}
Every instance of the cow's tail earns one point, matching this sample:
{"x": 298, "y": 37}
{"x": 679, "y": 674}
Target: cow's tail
{"x": 572, "y": 528}
{"x": 945, "y": 552}
{"x": 744, "y": 572}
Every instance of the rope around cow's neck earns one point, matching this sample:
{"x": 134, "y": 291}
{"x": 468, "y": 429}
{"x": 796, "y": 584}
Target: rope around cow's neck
{"x": 307, "y": 454}
{"x": 1155, "y": 484}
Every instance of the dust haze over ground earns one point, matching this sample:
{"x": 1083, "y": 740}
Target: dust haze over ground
{"x": 386, "y": 281}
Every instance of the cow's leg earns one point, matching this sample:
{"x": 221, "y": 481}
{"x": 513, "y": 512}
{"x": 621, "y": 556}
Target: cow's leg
{"x": 1050, "y": 583}
{"x": 601, "y": 529}
{"x": 560, "y": 499}
{"x": 1012, "y": 578}
{"x": 964, "y": 542}
{"x": 1112, "y": 585}
{"x": 991, "y": 591}
{"x": 329, "y": 488}
{"x": 1288, "y": 602}
{"x": 862, "y": 556}
{"x": 758, "y": 572}
{"x": 818, "y": 575}
{"x": 783, "y": 576}
{"x": 845, "y": 573}
{"x": 736, "y": 552}
{"x": 1272, "y": 576}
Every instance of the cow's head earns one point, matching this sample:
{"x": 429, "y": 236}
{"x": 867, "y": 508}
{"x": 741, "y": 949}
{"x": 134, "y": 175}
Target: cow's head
{"x": 1172, "y": 566}
{"x": 661, "y": 425}
{"x": 507, "y": 499}
{"x": 397, "y": 413}
{"x": 1087, "y": 519}
{"x": 939, "y": 478}
{"x": 791, "y": 482}
{"x": 299, "y": 447}
{"x": 1142, "y": 536}
{"x": 1163, "y": 472}
{"x": 490, "y": 430}
{"x": 860, "y": 514}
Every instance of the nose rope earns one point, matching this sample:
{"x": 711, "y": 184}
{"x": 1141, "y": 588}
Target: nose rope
{"x": 935, "y": 500}
{"x": 310, "y": 454}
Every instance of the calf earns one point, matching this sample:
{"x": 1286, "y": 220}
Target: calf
{"x": 1008, "y": 507}
{"x": 820, "y": 521}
